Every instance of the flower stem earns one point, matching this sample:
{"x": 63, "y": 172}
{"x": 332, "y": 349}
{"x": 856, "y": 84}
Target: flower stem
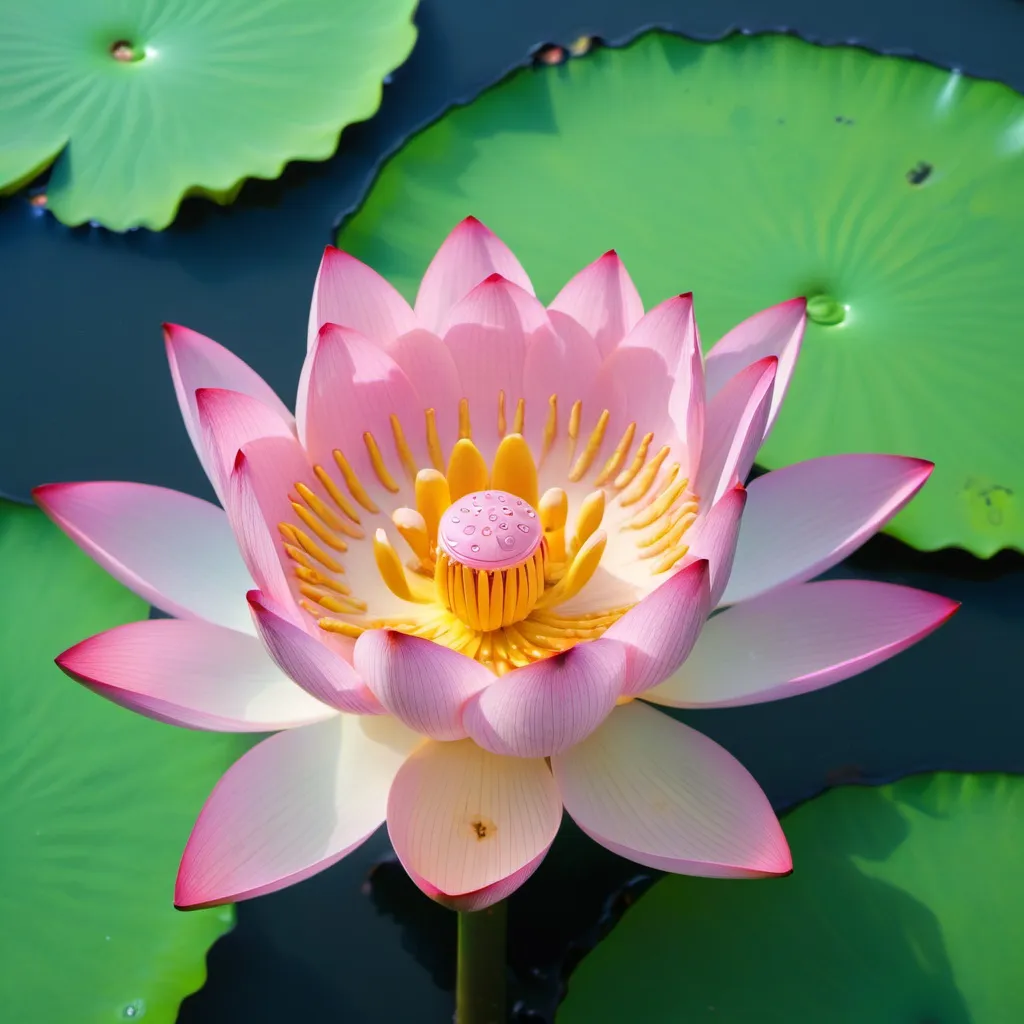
{"x": 480, "y": 977}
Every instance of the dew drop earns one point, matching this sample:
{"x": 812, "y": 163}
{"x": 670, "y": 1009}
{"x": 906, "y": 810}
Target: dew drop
{"x": 135, "y": 1010}
{"x": 523, "y": 528}
{"x": 456, "y": 519}
{"x": 502, "y": 526}
{"x": 469, "y": 530}
{"x": 531, "y": 513}
{"x": 463, "y": 509}
{"x": 493, "y": 518}
{"x": 474, "y": 548}
{"x": 486, "y": 531}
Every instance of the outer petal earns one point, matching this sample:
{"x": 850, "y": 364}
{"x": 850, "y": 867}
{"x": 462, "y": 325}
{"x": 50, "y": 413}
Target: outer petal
{"x": 659, "y": 632}
{"x": 290, "y": 807}
{"x": 173, "y": 550}
{"x": 714, "y": 537}
{"x": 349, "y": 293}
{"x": 805, "y": 518}
{"x": 547, "y": 707}
{"x": 229, "y": 420}
{"x": 776, "y": 331}
{"x": 319, "y": 670}
{"x": 480, "y": 899}
{"x": 462, "y": 819}
{"x": 354, "y": 387}
{"x": 660, "y": 793}
{"x": 603, "y": 299}
{"x": 800, "y": 638}
{"x": 198, "y": 362}
{"x": 423, "y": 684}
{"x": 264, "y": 476}
{"x": 734, "y": 428}
{"x": 191, "y": 673}
{"x": 467, "y": 256}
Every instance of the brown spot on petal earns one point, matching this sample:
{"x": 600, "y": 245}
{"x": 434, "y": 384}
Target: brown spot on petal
{"x": 482, "y": 828}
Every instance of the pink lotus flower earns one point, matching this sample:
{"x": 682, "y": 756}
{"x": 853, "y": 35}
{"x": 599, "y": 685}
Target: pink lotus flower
{"x": 490, "y": 527}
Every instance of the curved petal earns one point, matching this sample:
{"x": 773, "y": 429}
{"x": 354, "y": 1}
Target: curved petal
{"x": 229, "y": 420}
{"x": 800, "y": 638}
{"x": 468, "y": 255}
{"x": 191, "y": 673}
{"x": 175, "y": 551}
{"x": 659, "y": 632}
{"x": 655, "y": 379}
{"x": 354, "y": 387}
{"x": 426, "y": 361}
{"x": 199, "y": 362}
{"x": 349, "y": 293}
{"x": 290, "y": 807}
{"x": 660, "y": 793}
{"x": 258, "y": 500}
{"x": 547, "y": 707}
{"x": 603, "y": 299}
{"x": 776, "y": 331}
{"x": 805, "y": 518}
{"x": 734, "y": 428}
{"x": 480, "y": 899}
{"x": 714, "y": 537}
{"x": 422, "y": 683}
{"x": 488, "y": 333}
{"x": 462, "y": 819}
{"x": 307, "y": 661}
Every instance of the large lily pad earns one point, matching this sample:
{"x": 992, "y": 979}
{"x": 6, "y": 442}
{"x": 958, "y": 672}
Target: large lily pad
{"x": 752, "y": 170}
{"x": 96, "y": 804}
{"x": 906, "y": 905}
{"x": 149, "y": 101}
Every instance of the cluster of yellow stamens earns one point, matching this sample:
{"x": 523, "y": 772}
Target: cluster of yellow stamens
{"x": 503, "y": 611}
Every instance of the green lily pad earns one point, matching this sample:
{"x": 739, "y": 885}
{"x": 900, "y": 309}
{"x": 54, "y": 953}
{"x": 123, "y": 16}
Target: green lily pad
{"x": 96, "y": 804}
{"x": 905, "y": 907}
{"x": 146, "y": 103}
{"x": 889, "y": 192}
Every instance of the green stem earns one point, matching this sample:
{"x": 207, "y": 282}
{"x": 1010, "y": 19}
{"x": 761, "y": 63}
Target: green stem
{"x": 480, "y": 978}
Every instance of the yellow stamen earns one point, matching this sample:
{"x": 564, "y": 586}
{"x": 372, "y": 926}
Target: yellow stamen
{"x": 309, "y": 546}
{"x": 588, "y": 519}
{"x": 501, "y": 414}
{"x": 519, "y": 423}
{"x": 335, "y": 494}
{"x": 614, "y": 464}
{"x": 671, "y": 537}
{"x": 342, "y": 605}
{"x": 588, "y": 454}
{"x": 554, "y": 512}
{"x": 467, "y": 470}
{"x": 405, "y": 455}
{"x": 329, "y": 537}
{"x": 578, "y": 575}
{"x": 676, "y": 485}
{"x": 390, "y": 567}
{"x": 550, "y": 427}
{"x": 670, "y": 559}
{"x": 377, "y": 461}
{"x": 326, "y": 513}
{"x": 645, "y": 478}
{"x": 624, "y": 478}
{"x": 318, "y": 579}
{"x": 514, "y": 469}
{"x": 355, "y": 488}
{"x": 465, "y": 427}
{"x": 349, "y": 629}
{"x": 434, "y": 442}
{"x": 413, "y": 529}
{"x": 575, "y": 414}
{"x": 432, "y": 498}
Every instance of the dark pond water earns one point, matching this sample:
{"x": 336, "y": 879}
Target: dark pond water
{"x": 81, "y": 398}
